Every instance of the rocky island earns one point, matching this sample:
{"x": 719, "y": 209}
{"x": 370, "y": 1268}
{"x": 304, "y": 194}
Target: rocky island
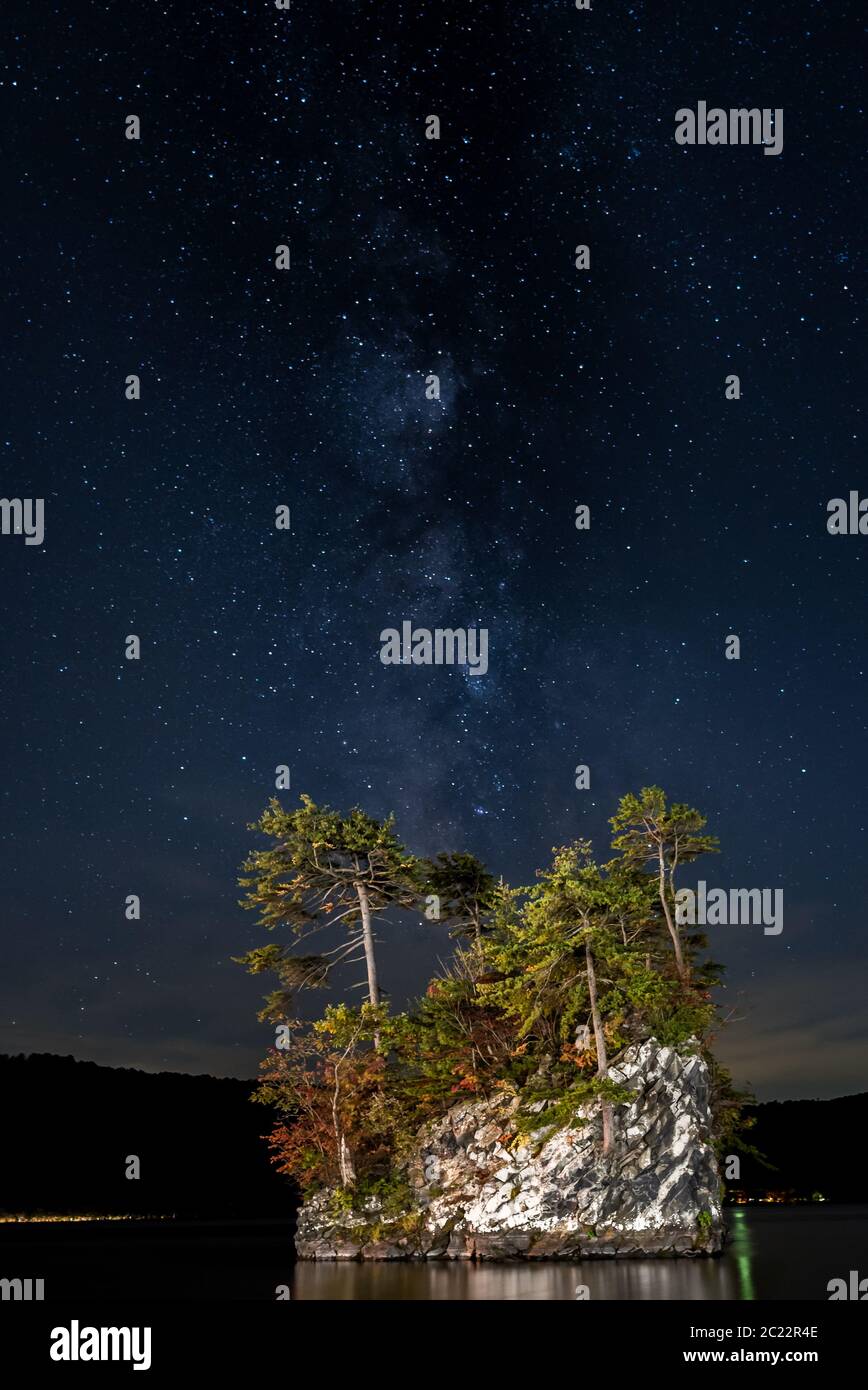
{"x": 552, "y": 1095}
{"x": 476, "y": 1194}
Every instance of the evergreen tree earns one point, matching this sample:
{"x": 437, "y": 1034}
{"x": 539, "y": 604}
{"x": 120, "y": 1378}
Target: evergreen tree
{"x": 572, "y": 963}
{"x": 323, "y": 869}
{"x": 466, "y": 891}
{"x": 648, "y": 832}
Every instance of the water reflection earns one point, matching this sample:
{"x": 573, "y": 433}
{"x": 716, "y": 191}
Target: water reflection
{"x": 740, "y": 1251}
{"x": 771, "y": 1253}
{"x": 605, "y": 1279}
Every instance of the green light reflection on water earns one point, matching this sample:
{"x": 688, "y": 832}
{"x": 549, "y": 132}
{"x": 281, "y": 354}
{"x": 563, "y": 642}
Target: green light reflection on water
{"x": 741, "y": 1252}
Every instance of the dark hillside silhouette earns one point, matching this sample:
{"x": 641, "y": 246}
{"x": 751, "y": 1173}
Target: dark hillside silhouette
{"x": 68, "y": 1127}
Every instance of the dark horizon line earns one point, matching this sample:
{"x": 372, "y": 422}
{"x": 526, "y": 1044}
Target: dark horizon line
{"x": 251, "y": 1081}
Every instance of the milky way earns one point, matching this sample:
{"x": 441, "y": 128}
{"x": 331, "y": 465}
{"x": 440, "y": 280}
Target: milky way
{"x": 307, "y": 388}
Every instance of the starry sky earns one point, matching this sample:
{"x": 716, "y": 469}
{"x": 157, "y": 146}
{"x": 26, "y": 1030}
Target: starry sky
{"x": 306, "y": 388}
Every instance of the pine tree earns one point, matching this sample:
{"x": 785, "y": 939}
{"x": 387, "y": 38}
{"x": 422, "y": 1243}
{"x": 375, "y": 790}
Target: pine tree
{"x": 323, "y": 869}
{"x": 648, "y": 832}
{"x": 466, "y": 893}
{"x": 570, "y": 967}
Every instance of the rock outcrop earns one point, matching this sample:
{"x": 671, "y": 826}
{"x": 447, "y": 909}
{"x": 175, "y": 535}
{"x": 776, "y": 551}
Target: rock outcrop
{"x": 476, "y": 1191}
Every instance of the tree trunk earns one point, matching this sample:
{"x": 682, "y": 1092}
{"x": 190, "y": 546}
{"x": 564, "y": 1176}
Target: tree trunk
{"x": 673, "y": 930}
{"x": 345, "y": 1157}
{"x": 368, "y": 935}
{"x": 348, "y": 1171}
{"x": 370, "y": 958}
{"x": 600, "y": 1040}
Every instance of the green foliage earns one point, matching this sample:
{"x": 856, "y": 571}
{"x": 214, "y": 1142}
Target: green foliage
{"x": 322, "y": 870}
{"x": 317, "y": 859}
{"x": 649, "y": 834}
{"x": 467, "y": 892}
{"x": 563, "y": 1103}
{"x": 644, "y": 825}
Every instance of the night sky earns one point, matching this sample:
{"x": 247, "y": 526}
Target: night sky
{"x": 306, "y": 388}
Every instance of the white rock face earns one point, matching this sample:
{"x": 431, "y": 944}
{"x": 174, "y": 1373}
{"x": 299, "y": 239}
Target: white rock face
{"x": 482, "y": 1193}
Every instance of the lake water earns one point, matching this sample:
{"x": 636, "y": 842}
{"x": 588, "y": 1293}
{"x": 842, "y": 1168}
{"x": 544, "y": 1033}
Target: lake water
{"x": 774, "y": 1252}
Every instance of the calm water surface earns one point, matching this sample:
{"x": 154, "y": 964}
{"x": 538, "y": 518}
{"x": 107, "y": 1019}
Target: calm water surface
{"x": 772, "y": 1253}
